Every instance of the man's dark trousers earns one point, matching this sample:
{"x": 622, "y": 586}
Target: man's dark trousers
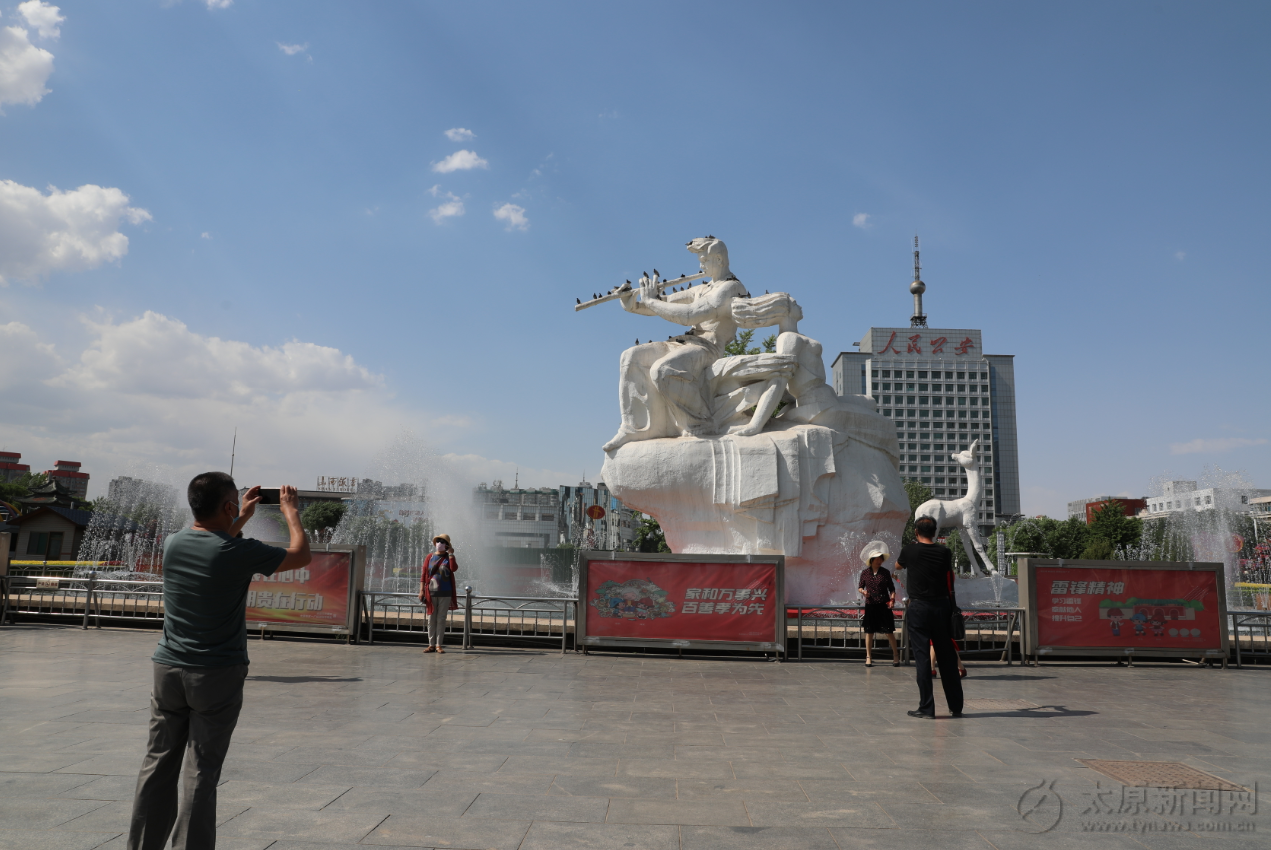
{"x": 928, "y": 623}
{"x": 193, "y": 711}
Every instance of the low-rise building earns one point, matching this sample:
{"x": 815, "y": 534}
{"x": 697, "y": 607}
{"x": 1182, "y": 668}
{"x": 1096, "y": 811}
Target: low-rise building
{"x": 593, "y": 518}
{"x": 583, "y": 515}
{"x": 519, "y": 518}
{"x": 1130, "y": 507}
{"x": 50, "y": 534}
{"x": 1186, "y": 496}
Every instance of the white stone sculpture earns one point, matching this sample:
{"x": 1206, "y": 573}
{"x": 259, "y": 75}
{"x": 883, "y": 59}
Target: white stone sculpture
{"x": 962, "y": 512}
{"x": 703, "y": 448}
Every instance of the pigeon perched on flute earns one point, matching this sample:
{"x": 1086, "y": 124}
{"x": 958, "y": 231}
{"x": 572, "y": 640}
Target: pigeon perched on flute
{"x": 659, "y": 286}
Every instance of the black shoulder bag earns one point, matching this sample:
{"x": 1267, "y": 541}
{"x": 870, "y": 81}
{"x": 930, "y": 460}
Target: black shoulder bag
{"x": 957, "y": 626}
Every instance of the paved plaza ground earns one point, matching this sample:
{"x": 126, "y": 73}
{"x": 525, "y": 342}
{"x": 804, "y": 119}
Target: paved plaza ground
{"x": 342, "y": 746}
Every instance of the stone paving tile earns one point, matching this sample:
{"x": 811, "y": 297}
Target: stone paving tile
{"x": 547, "y": 835}
{"x": 626, "y": 786}
{"x": 101, "y": 788}
{"x": 535, "y": 807}
{"x": 34, "y": 813}
{"x": 15, "y": 785}
{"x": 296, "y": 824}
{"x": 756, "y": 838}
{"x": 35, "y": 839}
{"x": 723, "y": 812}
{"x": 504, "y": 748}
{"x": 416, "y": 831}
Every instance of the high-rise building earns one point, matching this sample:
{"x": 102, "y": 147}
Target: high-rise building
{"x": 66, "y": 473}
{"x": 126, "y": 491}
{"x": 943, "y": 392}
{"x": 11, "y": 468}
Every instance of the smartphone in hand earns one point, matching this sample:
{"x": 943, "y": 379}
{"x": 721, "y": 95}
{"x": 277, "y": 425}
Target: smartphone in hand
{"x": 271, "y": 495}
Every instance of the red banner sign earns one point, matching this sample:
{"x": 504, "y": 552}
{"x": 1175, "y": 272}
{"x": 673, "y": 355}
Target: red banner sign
{"x": 1140, "y": 608}
{"x": 315, "y": 595}
{"x": 682, "y": 600}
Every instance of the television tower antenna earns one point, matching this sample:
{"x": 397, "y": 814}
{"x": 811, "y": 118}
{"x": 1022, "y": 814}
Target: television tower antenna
{"x": 232, "y": 451}
{"x": 918, "y": 320}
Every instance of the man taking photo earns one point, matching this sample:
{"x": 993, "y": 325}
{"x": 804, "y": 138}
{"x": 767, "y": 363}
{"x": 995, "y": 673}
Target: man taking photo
{"x": 928, "y": 569}
{"x": 201, "y": 662}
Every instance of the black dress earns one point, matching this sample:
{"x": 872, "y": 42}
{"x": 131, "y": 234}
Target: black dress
{"x": 878, "y": 587}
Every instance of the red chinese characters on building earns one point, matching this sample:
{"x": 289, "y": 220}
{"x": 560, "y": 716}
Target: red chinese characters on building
{"x": 889, "y": 345}
{"x": 914, "y": 345}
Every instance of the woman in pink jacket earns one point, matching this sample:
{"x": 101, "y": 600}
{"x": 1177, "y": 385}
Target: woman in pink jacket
{"x": 437, "y": 589}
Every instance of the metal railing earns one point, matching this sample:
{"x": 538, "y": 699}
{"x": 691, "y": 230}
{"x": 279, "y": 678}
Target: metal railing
{"x": 533, "y": 618}
{"x": 81, "y": 597}
{"x": 1251, "y": 629}
{"x": 992, "y": 631}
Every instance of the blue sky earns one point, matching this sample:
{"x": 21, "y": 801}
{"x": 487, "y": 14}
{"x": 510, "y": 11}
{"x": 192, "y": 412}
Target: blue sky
{"x": 303, "y": 263}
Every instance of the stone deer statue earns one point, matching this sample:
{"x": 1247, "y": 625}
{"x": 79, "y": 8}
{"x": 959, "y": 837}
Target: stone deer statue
{"x": 961, "y": 513}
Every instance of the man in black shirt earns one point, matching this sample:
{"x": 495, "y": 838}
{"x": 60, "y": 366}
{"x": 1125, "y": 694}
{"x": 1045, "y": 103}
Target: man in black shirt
{"x": 928, "y": 570}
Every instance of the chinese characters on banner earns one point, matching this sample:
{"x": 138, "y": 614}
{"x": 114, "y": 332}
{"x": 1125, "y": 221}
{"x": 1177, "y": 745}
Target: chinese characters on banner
{"x": 682, "y": 600}
{"x": 314, "y": 595}
{"x": 1141, "y": 607}
{"x": 337, "y": 484}
{"x": 929, "y": 344}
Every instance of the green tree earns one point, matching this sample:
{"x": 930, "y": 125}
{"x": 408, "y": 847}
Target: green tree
{"x": 741, "y": 344}
{"x": 1067, "y": 539}
{"x": 1099, "y": 549}
{"x": 650, "y": 537}
{"x": 21, "y": 487}
{"x": 1111, "y": 524}
{"x": 322, "y": 515}
{"x": 917, "y": 493}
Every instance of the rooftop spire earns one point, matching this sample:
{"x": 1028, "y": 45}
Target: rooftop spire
{"x": 918, "y": 320}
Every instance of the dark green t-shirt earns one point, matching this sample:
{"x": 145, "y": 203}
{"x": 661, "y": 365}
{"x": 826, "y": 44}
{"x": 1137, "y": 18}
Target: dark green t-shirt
{"x": 205, "y": 580}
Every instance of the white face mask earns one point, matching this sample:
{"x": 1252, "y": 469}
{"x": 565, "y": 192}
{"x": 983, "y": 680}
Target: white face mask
{"x": 441, "y": 547}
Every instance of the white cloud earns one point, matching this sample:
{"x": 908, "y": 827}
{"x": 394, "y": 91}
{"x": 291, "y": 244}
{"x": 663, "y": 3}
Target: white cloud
{"x": 156, "y": 355}
{"x": 1179, "y": 256}
{"x": 863, "y": 221}
{"x": 61, "y": 231}
{"x": 205, "y": 235}
{"x": 514, "y": 215}
{"x": 219, "y": 4}
{"x": 460, "y": 161}
{"x": 459, "y": 134}
{"x": 292, "y": 49}
{"x": 24, "y": 68}
{"x": 451, "y": 207}
{"x": 43, "y": 17}
{"x": 152, "y": 391}
{"x": 1202, "y": 445}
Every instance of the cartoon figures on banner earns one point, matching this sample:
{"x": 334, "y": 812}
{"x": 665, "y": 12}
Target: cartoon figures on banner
{"x": 1115, "y": 616}
{"x": 1140, "y": 624}
{"x": 636, "y": 599}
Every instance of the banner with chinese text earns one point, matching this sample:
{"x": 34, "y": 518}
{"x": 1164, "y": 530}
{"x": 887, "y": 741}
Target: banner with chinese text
{"x": 1141, "y": 607}
{"x": 316, "y": 595}
{"x": 682, "y": 600}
